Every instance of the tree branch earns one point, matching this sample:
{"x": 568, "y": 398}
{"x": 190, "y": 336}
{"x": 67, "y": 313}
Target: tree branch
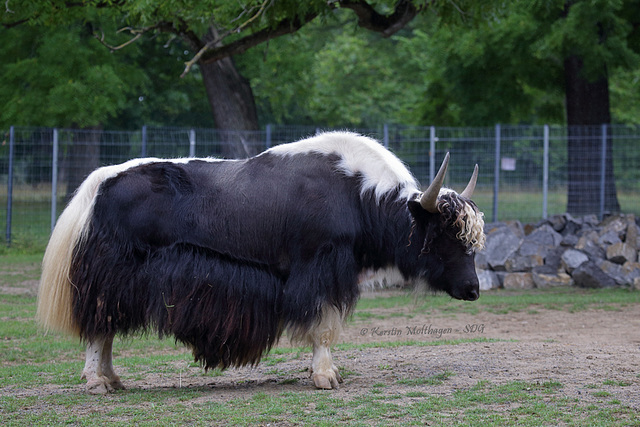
{"x": 387, "y": 25}
{"x": 137, "y": 34}
{"x": 285, "y": 26}
{"x": 216, "y": 40}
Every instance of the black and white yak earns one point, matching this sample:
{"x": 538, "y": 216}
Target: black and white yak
{"x": 225, "y": 255}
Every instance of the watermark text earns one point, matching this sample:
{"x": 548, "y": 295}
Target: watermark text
{"x": 411, "y": 330}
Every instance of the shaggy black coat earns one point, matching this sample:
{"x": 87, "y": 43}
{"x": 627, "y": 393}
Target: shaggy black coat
{"x": 226, "y": 255}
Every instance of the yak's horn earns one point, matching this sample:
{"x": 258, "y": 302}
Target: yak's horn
{"x": 430, "y": 197}
{"x": 468, "y": 192}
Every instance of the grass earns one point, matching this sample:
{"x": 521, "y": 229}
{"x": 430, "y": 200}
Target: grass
{"x": 514, "y": 403}
{"x": 501, "y": 302}
{"x": 40, "y": 384}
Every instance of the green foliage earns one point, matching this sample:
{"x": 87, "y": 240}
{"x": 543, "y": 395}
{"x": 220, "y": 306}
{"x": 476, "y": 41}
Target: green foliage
{"x": 624, "y": 90}
{"x": 332, "y": 73}
{"x": 59, "y": 76}
{"x": 508, "y": 66}
{"x": 457, "y": 63}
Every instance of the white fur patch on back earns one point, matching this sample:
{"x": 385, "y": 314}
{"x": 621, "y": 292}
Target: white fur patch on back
{"x": 381, "y": 171}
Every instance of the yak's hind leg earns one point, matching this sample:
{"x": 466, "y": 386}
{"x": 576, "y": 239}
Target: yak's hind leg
{"x": 98, "y": 367}
{"x": 322, "y": 336}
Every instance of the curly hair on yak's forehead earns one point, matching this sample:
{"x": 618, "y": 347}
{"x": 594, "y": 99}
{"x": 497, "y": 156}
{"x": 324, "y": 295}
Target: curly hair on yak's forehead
{"x": 464, "y": 215}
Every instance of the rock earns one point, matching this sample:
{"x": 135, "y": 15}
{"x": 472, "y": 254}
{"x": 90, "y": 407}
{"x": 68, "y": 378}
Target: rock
{"x": 501, "y": 243}
{"x": 557, "y": 222}
{"x": 488, "y": 280}
{"x": 631, "y": 237}
{"x": 545, "y": 235}
{"x": 530, "y": 254}
{"x": 481, "y": 260}
{"x": 561, "y": 251}
{"x": 614, "y": 224}
{"x": 554, "y": 259}
{"x": 621, "y": 253}
{"x": 520, "y": 263}
{"x": 611, "y": 237}
{"x": 500, "y": 275}
{"x": 631, "y": 270}
{"x": 614, "y": 271}
{"x": 518, "y": 281}
{"x": 589, "y": 275}
{"x": 636, "y": 284}
{"x": 533, "y": 250}
{"x": 590, "y": 221}
{"x": 570, "y": 240}
{"x": 572, "y": 259}
{"x": 622, "y": 274}
{"x": 588, "y": 244}
{"x": 545, "y": 277}
{"x": 572, "y": 225}
{"x": 516, "y": 227}
{"x": 528, "y": 228}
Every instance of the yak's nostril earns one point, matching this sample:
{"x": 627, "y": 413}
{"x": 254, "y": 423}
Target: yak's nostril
{"x": 473, "y": 295}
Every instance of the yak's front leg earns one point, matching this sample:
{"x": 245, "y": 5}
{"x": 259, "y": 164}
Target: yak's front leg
{"x": 98, "y": 367}
{"x": 324, "y": 373}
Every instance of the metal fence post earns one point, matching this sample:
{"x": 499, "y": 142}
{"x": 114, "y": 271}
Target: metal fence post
{"x": 432, "y": 153}
{"x": 143, "y": 148}
{"x": 385, "y": 130}
{"x": 545, "y": 172}
{"x": 496, "y": 175}
{"x": 192, "y": 143}
{"x": 54, "y": 179}
{"x": 603, "y": 169}
{"x": 10, "y": 186}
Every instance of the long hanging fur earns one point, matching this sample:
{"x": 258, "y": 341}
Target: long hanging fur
{"x": 54, "y": 308}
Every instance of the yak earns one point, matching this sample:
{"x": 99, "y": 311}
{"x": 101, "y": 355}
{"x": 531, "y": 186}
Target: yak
{"x": 226, "y": 255}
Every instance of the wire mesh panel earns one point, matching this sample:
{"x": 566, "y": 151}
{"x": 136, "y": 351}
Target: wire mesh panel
{"x": 526, "y": 172}
{"x": 520, "y": 170}
{"x": 230, "y": 144}
{"x": 29, "y": 209}
{"x": 557, "y": 170}
{"x": 625, "y": 143}
{"x": 468, "y": 147}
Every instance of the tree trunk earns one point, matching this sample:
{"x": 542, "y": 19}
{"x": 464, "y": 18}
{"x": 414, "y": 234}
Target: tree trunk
{"x": 587, "y": 105}
{"x": 233, "y": 107}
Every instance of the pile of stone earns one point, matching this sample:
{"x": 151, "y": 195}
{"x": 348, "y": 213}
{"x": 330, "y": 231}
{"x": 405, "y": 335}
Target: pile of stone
{"x": 561, "y": 251}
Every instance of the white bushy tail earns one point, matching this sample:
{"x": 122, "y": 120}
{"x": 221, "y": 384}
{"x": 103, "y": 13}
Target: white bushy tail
{"x": 55, "y": 310}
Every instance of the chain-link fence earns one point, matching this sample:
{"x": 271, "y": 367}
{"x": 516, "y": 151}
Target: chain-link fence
{"x": 526, "y": 172}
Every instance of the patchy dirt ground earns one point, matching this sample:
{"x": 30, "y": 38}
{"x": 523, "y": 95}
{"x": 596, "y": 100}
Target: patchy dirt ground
{"x": 580, "y": 351}
{"x": 583, "y": 351}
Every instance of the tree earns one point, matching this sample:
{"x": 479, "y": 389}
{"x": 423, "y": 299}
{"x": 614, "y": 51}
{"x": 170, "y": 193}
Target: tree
{"x": 218, "y": 30}
{"x": 332, "y": 74}
{"x": 44, "y": 86}
{"x": 606, "y": 30}
{"x": 60, "y": 76}
{"x": 525, "y": 54}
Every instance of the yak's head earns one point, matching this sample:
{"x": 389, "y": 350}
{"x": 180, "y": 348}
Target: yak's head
{"x": 449, "y": 228}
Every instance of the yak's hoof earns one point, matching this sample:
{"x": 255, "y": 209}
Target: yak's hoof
{"x": 327, "y": 380}
{"x": 102, "y": 385}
